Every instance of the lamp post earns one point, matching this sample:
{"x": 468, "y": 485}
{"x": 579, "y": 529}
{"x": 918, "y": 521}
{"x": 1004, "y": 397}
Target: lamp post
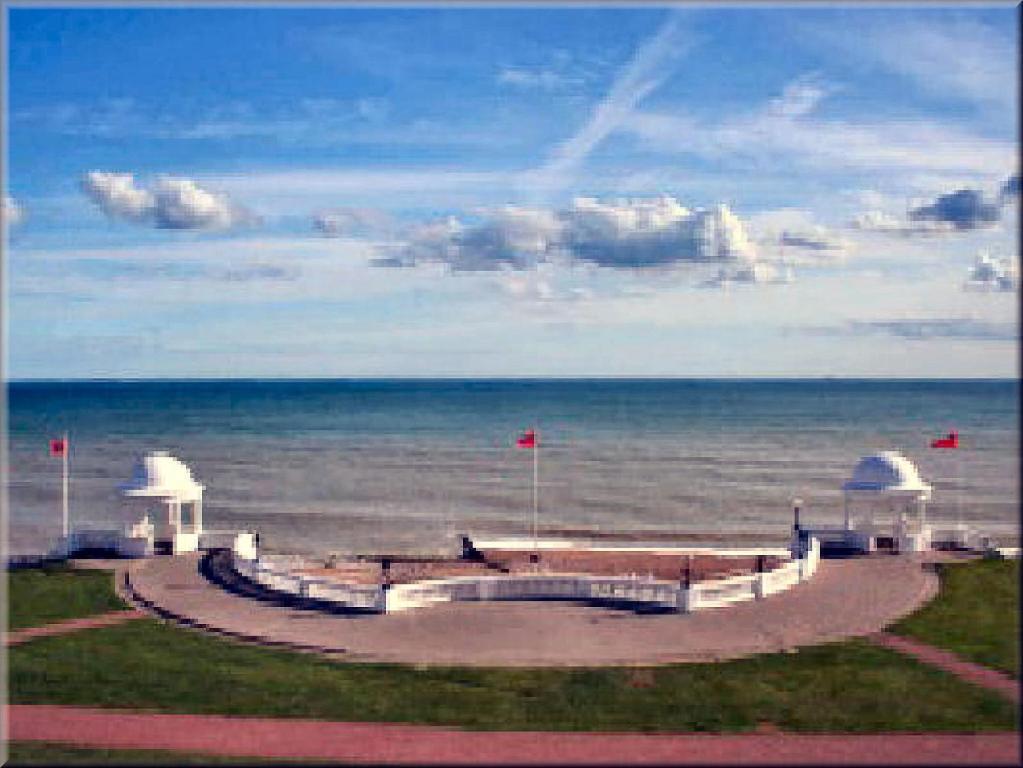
{"x": 797, "y": 503}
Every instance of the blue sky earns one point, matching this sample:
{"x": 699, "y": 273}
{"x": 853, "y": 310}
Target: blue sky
{"x": 674, "y": 190}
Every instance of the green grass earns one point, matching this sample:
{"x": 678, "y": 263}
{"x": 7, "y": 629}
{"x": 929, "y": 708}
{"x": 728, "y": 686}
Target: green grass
{"x": 976, "y": 614}
{"x": 46, "y": 753}
{"x": 844, "y": 687}
{"x": 42, "y": 595}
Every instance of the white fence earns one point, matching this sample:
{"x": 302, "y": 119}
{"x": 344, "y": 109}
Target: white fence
{"x": 669, "y": 595}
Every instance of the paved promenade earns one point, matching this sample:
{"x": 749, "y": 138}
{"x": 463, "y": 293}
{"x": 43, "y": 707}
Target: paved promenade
{"x": 853, "y": 597}
{"x": 410, "y": 744}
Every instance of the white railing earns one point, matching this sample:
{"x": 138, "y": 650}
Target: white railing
{"x": 720, "y": 592}
{"x": 363, "y": 596}
{"x": 671, "y": 595}
{"x": 780, "y": 578}
{"x": 809, "y": 562}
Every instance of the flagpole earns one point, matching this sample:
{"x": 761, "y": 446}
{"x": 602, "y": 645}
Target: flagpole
{"x": 959, "y": 490}
{"x": 65, "y": 505}
{"x": 536, "y": 497}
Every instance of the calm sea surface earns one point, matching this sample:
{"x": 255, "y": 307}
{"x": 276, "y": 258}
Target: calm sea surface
{"x": 320, "y": 466}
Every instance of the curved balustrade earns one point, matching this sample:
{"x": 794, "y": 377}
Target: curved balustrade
{"x": 668, "y": 595}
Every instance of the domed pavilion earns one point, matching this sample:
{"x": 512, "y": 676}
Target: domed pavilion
{"x": 886, "y": 504}
{"x": 168, "y": 501}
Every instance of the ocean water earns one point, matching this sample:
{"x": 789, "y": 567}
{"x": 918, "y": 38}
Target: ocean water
{"x": 350, "y": 466}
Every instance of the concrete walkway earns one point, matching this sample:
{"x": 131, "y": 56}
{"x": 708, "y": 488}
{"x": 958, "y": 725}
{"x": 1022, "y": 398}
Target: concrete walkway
{"x": 410, "y": 744}
{"x": 858, "y": 596}
{"x": 950, "y": 662}
{"x": 17, "y": 637}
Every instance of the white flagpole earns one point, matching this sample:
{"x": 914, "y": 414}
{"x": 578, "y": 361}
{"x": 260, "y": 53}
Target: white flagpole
{"x": 959, "y": 490}
{"x": 536, "y": 495}
{"x": 65, "y": 506}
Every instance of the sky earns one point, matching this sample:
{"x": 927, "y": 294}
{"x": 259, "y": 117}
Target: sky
{"x": 671, "y": 190}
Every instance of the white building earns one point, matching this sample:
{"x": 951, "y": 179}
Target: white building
{"x": 162, "y": 510}
{"x": 886, "y": 503}
{"x": 167, "y": 502}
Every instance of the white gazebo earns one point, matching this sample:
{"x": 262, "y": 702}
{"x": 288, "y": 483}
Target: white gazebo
{"x": 169, "y": 499}
{"x": 886, "y": 497}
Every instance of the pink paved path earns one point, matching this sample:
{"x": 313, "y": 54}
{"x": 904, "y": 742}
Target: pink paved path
{"x": 71, "y": 625}
{"x": 385, "y": 743}
{"x": 967, "y": 670}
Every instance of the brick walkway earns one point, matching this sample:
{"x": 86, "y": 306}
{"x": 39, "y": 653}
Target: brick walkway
{"x": 967, "y": 670}
{"x": 853, "y": 597}
{"x": 20, "y": 636}
{"x": 409, "y": 744}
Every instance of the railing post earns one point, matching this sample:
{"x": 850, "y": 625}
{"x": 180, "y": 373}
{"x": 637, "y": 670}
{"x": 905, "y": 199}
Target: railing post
{"x": 684, "y": 599}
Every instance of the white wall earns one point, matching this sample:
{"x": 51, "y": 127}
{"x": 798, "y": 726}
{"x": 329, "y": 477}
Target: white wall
{"x": 665, "y": 594}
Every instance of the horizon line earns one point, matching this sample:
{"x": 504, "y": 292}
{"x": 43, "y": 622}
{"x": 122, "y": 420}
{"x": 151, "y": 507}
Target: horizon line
{"x": 510, "y": 379}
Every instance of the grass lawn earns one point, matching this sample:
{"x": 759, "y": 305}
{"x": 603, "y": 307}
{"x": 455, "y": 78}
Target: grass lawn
{"x": 845, "y": 687}
{"x": 45, "y": 753}
{"x": 976, "y": 615}
{"x": 42, "y": 595}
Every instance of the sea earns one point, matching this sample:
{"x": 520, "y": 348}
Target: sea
{"x": 401, "y": 466}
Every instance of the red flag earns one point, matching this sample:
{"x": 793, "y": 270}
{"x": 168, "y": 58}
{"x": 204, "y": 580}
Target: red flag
{"x": 951, "y": 440}
{"x": 58, "y": 447}
{"x": 528, "y": 439}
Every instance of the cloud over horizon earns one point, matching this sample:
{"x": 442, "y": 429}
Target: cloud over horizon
{"x": 346, "y": 222}
{"x": 964, "y": 328}
{"x": 1010, "y": 189}
{"x": 13, "y": 212}
{"x": 991, "y": 274}
{"x": 961, "y": 210}
{"x": 172, "y": 203}
{"x": 625, "y": 234}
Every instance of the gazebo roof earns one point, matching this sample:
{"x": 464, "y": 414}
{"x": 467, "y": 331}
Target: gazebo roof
{"x": 887, "y": 472}
{"x": 160, "y": 475}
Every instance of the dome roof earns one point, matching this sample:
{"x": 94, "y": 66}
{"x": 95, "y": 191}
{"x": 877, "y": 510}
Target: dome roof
{"x": 886, "y": 471}
{"x": 160, "y": 474}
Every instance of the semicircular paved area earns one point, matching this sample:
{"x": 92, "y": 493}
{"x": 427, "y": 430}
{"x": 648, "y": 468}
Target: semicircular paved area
{"x": 850, "y": 597}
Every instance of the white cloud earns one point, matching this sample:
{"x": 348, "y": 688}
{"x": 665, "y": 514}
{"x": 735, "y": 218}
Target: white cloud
{"x": 963, "y": 209}
{"x": 800, "y": 97}
{"x": 952, "y": 328}
{"x": 544, "y": 286}
{"x": 519, "y": 238}
{"x": 796, "y": 237}
{"x": 961, "y": 58}
{"x": 543, "y": 79}
{"x": 787, "y": 134}
{"x": 626, "y": 234}
{"x": 646, "y": 233}
{"x": 652, "y": 63}
{"x": 991, "y": 274}
{"x": 817, "y": 238}
{"x": 879, "y": 221}
{"x": 13, "y": 213}
{"x": 345, "y": 222}
{"x": 960, "y": 210}
{"x": 1010, "y": 189}
{"x": 749, "y": 274}
{"x": 172, "y": 203}
{"x": 118, "y": 197}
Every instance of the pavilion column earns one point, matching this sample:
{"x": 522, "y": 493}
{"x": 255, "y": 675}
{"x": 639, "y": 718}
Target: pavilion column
{"x": 197, "y": 515}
